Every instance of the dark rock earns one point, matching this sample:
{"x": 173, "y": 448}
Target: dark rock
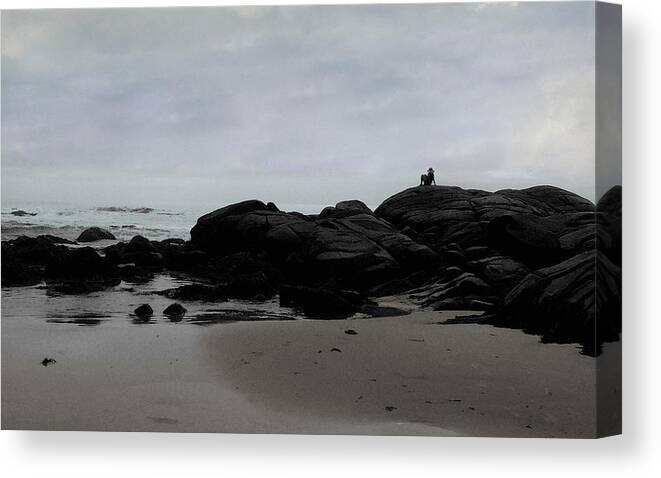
{"x": 25, "y": 258}
{"x": 139, "y": 244}
{"x": 16, "y": 274}
{"x": 321, "y": 302}
{"x": 48, "y": 361}
{"x": 501, "y": 271}
{"x": 561, "y": 302}
{"x": 180, "y": 255}
{"x": 477, "y": 252}
{"x": 196, "y": 292}
{"x": 526, "y": 236}
{"x": 22, "y": 213}
{"x": 144, "y": 259}
{"x": 450, "y": 272}
{"x": 464, "y": 291}
{"x": 144, "y": 310}
{"x": 174, "y": 310}
{"x": 398, "y": 286}
{"x": 448, "y": 247}
{"x": 31, "y": 250}
{"x": 350, "y": 332}
{"x": 228, "y": 267}
{"x": 449, "y": 257}
{"x": 94, "y": 234}
{"x": 173, "y": 241}
{"x": 81, "y": 271}
{"x": 345, "y": 209}
{"x": 237, "y": 227}
{"x": 55, "y": 239}
{"x": 442, "y": 214}
{"x": 393, "y": 287}
{"x": 420, "y": 277}
{"x": 353, "y": 246}
{"x": 131, "y": 273}
{"x": 246, "y": 286}
{"x": 83, "y": 263}
{"x": 353, "y": 205}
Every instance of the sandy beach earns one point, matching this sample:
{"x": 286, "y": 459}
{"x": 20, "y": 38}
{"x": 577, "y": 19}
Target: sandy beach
{"x": 408, "y": 375}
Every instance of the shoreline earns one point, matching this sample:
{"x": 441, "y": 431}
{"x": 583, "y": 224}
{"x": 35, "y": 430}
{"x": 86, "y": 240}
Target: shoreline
{"x": 269, "y": 377}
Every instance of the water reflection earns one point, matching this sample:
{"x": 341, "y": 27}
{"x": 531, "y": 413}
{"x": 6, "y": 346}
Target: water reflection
{"x": 142, "y": 319}
{"x": 83, "y": 322}
{"x": 112, "y": 307}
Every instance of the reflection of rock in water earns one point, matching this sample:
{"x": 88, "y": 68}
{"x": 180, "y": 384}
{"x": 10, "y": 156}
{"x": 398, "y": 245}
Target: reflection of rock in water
{"x": 219, "y": 316}
{"x": 81, "y": 318}
{"x": 84, "y": 322}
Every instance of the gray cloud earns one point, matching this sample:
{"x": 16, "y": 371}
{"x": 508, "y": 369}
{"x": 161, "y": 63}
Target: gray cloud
{"x": 358, "y": 99}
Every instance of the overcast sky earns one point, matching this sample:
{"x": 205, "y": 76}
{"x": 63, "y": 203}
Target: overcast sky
{"x": 295, "y": 104}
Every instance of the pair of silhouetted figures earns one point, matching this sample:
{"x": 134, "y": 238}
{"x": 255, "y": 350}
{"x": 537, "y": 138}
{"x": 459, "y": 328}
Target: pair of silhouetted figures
{"x": 427, "y": 179}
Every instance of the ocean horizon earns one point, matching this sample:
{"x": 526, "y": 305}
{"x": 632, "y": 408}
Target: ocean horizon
{"x": 154, "y": 221}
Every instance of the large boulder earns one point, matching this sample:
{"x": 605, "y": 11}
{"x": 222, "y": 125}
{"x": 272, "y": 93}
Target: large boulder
{"x": 432, "y": 209}
{"x": 348, "y": 244}
{"x": 573, "y": 301}
{"x": 238, "y": 227}
{"x": 93, "y": 234}
{"x": 539, "y": 226}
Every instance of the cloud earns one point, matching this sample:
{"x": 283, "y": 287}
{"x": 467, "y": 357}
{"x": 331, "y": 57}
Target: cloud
{"x": 492, "y": 96}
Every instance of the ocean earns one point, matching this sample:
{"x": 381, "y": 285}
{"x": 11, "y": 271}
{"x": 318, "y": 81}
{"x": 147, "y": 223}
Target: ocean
{"x": 155, "y": 222}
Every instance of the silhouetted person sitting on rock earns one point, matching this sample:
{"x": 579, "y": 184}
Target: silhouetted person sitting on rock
{"x": 430, "y": 176}
{"x": 427, "y": 179}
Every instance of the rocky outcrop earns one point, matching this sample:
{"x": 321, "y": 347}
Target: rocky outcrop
{"x": 348, "y": 244}
{"x": 93, "y": 234}
{"x": 528, "y": 257}
{"x": 542, "y": 259}
{"x": 525, "y": 223}
{"x": 563, "y": 302}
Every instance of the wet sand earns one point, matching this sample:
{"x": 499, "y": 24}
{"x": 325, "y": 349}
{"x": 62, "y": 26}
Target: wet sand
{"x": 404, "y": 375}
{"x": 463, "y": 379}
